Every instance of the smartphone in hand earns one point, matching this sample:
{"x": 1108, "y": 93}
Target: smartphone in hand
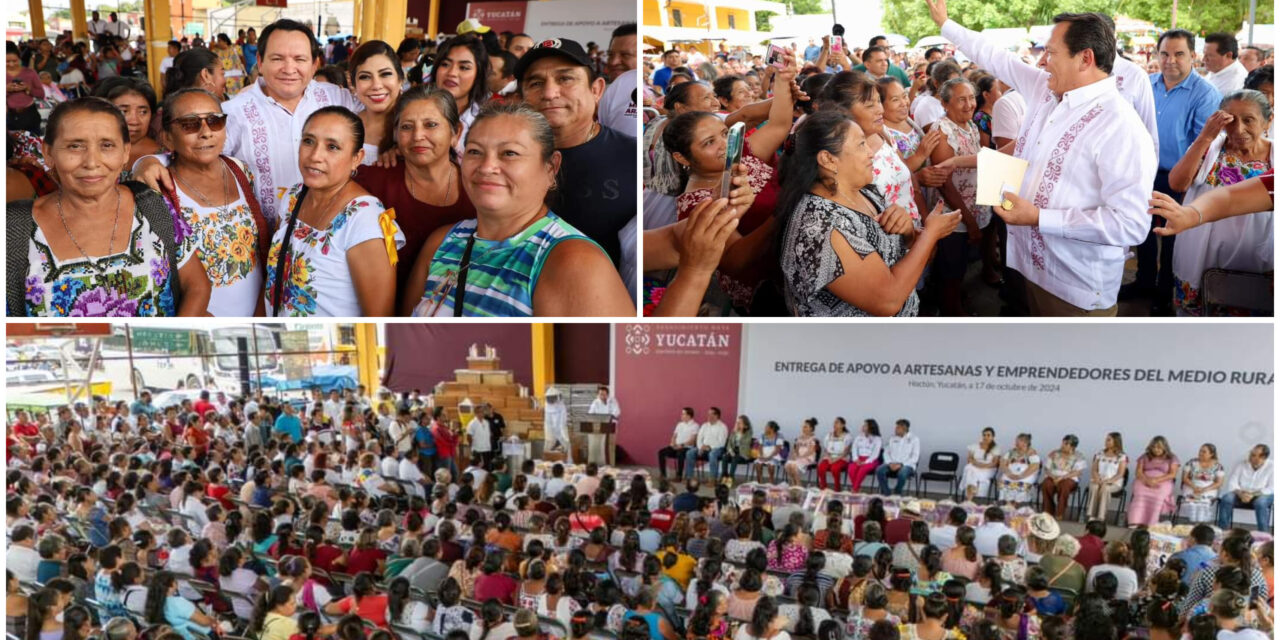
{"x": 732, "y": 155}
{"x": 837, "y": 44}
{"x": 774, "y": 57}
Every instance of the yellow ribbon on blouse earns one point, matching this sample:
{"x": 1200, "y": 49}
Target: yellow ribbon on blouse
{"x": 387, "y": 221}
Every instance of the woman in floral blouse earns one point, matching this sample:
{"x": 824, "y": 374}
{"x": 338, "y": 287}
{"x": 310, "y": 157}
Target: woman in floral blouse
{"x": 95, "y": 247}
{"x": 339, "y": 243}
{"x": 1232, "y": 147}
{"x": 1201, "y": 479}
{"x": 1018, "y": 471}
{"x": 787, "y": 553}
{"x": 1062, "y": 470}
{"x": 214, "y": 197}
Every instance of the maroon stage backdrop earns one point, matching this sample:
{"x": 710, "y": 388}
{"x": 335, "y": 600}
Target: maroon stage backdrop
{"x": 661, "y": 368}
{"x": 420, "y": 355}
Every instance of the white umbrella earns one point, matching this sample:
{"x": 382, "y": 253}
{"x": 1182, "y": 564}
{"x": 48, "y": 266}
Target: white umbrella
{"x": 932, "y": 41}
{"x": 897, "y": 40}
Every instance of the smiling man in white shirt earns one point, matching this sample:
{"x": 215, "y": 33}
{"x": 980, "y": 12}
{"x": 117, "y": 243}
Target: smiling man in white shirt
{"x": 1092, "y": 163}
{"x": 265, "y": 120}
{"x": 713, "y": 435}
{"x": 901, "y": 456}
{"x": 1249, "y": 487}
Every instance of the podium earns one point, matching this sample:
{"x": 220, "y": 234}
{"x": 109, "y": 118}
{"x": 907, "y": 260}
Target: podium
{"x": 599, "y": 429}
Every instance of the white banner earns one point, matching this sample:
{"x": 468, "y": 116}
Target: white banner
{"x": 1190, "y": 383}
{"x": 581, "y": 20}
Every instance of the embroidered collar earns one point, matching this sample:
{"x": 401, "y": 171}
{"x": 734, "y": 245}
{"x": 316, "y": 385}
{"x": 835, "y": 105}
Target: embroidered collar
{"x": 1090, "y": 92}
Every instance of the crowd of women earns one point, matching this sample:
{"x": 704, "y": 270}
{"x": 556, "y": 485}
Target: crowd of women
{"x": 857, "y": 195}
{"x": 219, "y": 524}
{"x": 414, "y": 188}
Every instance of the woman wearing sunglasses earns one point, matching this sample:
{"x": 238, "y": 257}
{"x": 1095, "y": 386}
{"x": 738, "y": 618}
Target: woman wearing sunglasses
{"x": 213, "y": 194}
{"x": 95, "y": 247}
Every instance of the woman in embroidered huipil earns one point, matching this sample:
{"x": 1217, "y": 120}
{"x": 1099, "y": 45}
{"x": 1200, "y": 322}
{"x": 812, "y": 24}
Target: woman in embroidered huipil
{"x": 96, "y": 247}
{"x": 1232, "y": 147}
{"x": 340, "y": 243}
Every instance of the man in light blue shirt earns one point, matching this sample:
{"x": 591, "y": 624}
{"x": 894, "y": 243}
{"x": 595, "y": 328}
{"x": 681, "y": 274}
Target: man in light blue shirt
{"x": 1200, "y": 554}
{"x": 143, "y": 405}
{"x": 812, "y": 51}
{"x": 1184, "y": 101}
{"x": 289, "y": 424}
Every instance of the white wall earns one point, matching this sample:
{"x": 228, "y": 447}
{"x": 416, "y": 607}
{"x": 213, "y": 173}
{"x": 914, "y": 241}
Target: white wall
{"x": 1233, "y": 416}
{"x": 581, "y": 20}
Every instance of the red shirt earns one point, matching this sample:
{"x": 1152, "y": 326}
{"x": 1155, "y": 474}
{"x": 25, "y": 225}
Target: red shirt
{"x": 498, "y": 585}
{"x": 587, "y": 522}
{"x": 445, "y": 441}
{"x": 897, "y": 530}
{"x": 201, "y": 406}
{"x": 1091, "y": 548}
{"x": 216, "y": 492}
{"x": 27, "y": 430}
{"x": 415, "y": 218}
{"x": 364, "y": 560}
{"x": 372, "y": 608}
{"x": 662, "y": 519}
{"x": 197, "y": 438}
{"x": 324, "y": 556}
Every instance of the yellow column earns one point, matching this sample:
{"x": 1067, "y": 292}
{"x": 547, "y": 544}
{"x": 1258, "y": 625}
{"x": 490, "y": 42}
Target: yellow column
{"x": 367, "y": 354}
{"x": 158, "y": 34}
{"x": 433, "y": 19}
{"x": 79, "y": 22}
{"x": 357, "y": 13}
{"x": 36, "y": 9}
{"x": 369, "y": 22}
{"x": 390, "y": 27}
{"x": 544, "y": 358}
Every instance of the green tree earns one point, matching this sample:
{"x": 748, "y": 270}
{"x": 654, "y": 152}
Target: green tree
{"x": 762, "y": 20}
{"x": 803, "y": 7}
{"x": 911, "y": 17}
{"x": 1199, "y": 16}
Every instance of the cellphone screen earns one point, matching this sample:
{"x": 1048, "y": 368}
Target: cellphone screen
{"x": 732, "y": 155}
{"x": 774, "y": 57}
{"x": 837, "y": 43}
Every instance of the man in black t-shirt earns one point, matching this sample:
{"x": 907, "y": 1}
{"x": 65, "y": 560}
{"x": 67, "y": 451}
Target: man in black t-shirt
{"x": 597, "y": 181}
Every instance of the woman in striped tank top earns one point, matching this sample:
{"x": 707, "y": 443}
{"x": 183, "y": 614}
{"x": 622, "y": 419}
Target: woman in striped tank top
{"x": 517, "y": 258}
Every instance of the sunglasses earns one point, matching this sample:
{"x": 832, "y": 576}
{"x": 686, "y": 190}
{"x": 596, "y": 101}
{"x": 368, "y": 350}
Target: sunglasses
{"x": 191, "y": 124}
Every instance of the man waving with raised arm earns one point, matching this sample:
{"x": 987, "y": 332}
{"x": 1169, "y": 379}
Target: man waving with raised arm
{"x": 1091, "y": 165}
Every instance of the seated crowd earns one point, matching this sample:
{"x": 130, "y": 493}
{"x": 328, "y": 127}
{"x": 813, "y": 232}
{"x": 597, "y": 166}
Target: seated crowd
{"x": 238, "y": 518}
{"x": 397, "y": 181}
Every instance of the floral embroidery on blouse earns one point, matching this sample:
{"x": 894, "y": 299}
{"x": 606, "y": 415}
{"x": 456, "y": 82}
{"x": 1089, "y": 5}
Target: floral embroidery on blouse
{"x": 134, "y": 283}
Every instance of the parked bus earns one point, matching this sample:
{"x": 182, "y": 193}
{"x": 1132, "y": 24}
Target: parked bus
{"x": 167, "y": 358}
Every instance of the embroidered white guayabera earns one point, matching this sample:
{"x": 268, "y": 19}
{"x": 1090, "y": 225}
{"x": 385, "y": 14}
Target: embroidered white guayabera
{"x": 1092, "y": 163}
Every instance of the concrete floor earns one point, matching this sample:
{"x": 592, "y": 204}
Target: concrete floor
{"x": 983, "y": 300}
